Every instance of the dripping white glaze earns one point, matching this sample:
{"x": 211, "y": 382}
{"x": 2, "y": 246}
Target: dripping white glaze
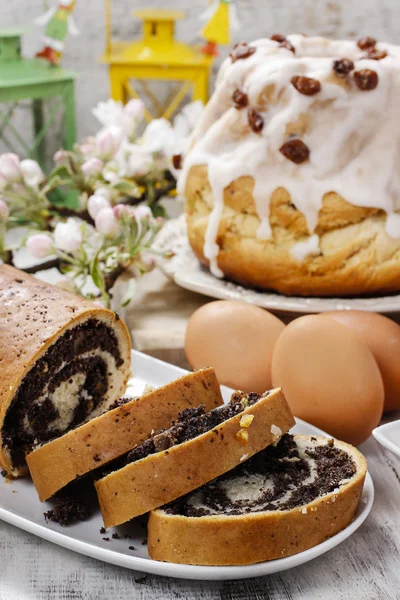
{"x": 353, "y": 135}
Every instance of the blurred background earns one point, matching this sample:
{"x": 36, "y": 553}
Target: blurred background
{"x": 332, "y": 18}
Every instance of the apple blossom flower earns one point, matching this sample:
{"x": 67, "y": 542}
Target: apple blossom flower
{"x": 32, "y": 173}
{"x": 135, "y": 109}
{"x": 92, "y": 166}
{"x": 187, "y": 119}
{"x": 159, "y": 136}
{"x": 96, "y": 203}
{"x": 4, "y": 212}
{"x": 39, "y": 245}
{"x": 106, "y": 223}
{"x": 114, "y": 114}
{"x": 108, "y": 141}
{"x": 10, "y": 167}
{"x": 108, "y": 113}
{"x": 106, "y": 192}
{"x": 68, "y": 235}
{"x": 142, "y": 212}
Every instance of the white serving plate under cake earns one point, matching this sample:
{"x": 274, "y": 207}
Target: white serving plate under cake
{"x": 20, "y": 506}
{"x": 186, "y": 271}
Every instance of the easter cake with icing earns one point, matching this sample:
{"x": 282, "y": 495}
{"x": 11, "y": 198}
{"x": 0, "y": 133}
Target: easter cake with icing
{"x": 292, "y": 182}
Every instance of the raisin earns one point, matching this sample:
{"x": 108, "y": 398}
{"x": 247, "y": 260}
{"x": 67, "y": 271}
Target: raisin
{"x": 375, "y": 54}
{"x": 343, "y": 66}
{"x": 306, "y": 85}
{"x": 256, "y": 121}
{"x": 177, "y": 161}
{"x": 295, "y": 150}
{"x": 239, "y": 99}
{"x": 286, "y": 44}
{"x": 277, "y": 37}
{"x": 366, "y": 79}
{"x": 366, "y": 42}
{"x": 241, "y": 50}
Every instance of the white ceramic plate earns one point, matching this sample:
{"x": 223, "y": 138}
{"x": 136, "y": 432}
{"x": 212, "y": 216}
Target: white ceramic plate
{"x": 185, "y": 269}
{"x": 389, "y": 436}
{"x": 20, "y": 506}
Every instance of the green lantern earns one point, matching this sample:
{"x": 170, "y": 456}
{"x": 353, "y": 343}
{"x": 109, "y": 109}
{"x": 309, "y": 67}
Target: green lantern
{"x": 33, "y": 83}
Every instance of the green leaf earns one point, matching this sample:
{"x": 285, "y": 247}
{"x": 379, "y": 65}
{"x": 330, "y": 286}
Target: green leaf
{"x": 127, "y": 187}
{"x": 158, "y": 210}
{"x": 97, "y": 275}
{"x": 61, "y": 171}
{"x": 129, "y": 292}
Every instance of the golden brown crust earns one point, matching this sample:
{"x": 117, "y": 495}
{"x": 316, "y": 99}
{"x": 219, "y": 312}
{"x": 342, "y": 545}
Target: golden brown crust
{"x": 357, "y": 256}
{"x": 33, "y": 315}
{"x": 255, "y": 537}
{"x": 160, "y": 478}
{"x": 104, "y": 438}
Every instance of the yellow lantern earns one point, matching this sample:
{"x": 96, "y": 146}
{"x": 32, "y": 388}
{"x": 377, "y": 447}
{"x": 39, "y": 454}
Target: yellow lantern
{"x": 157, "y": 56}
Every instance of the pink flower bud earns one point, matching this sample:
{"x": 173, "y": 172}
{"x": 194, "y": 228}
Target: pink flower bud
{"x": 95, "y": 204}
{"x": 92, "y": 166}
{"x": 32, "y": 173}
{"x": 10, "y": 167}
{"x": 121, "y": 210}
{"x": 135, "y": 109}
{"x": 68, "y": 236}
{"x": 108, "y": 141}
{"x": 106, "y": 223}
{"x": 39, "y": 245}
{"x": 88, "y": 147}
{"x": 4, "y": 212}
{"x": 60, "y": 156}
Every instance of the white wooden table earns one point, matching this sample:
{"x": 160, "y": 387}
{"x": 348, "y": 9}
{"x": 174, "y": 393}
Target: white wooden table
{"x": 365, "y": 567}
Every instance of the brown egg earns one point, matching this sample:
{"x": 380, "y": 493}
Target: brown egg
{"x": 330, "y": 377}
{"x": 235, "y": 338}
{"x": 382, "y": 336}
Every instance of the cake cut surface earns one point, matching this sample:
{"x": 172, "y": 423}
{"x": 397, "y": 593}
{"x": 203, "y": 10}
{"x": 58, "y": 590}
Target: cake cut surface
{"x": 125, "y": 424}
{"x": 198, "y": 448}
{"x": 285, "y": 499}
{"x": 292, "y": 180}
{"x": 284, "y": 476}
{"x": 62, "y": 359}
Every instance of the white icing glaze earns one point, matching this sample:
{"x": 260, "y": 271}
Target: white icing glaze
{"x": 303, "y": 249}
{"x": 353, "y": 135}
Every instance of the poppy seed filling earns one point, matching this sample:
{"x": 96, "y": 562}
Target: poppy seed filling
{"x": 63, "y": 387}
{"x": 191, "y": 423}
{"x": 281, "y": 477}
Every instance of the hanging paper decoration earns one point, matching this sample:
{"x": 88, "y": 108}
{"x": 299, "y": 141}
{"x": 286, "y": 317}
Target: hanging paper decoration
{"x": 59, "y": 22}
{"x": 222, "y": 20}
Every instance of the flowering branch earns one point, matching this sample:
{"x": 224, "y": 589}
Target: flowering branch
{"x": 108, "y": 227}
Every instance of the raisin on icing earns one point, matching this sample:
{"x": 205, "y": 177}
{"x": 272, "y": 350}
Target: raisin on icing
{"x": 277, "y": 37}
{"x": 366, "y": 42}
{"x": 295, "y": 150}
{"x": 375, "y": 54}
{"x": 306, "y": 85}
{"x": 177, "y": 161}
{"x": 241, "y": 50}
{"x": 256, "y": 121}
{"x": 366, "y": 79}
{"x": 239, "y": 99}
{"x": 343, "y": 66}
{"x": 286, "y": 44}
